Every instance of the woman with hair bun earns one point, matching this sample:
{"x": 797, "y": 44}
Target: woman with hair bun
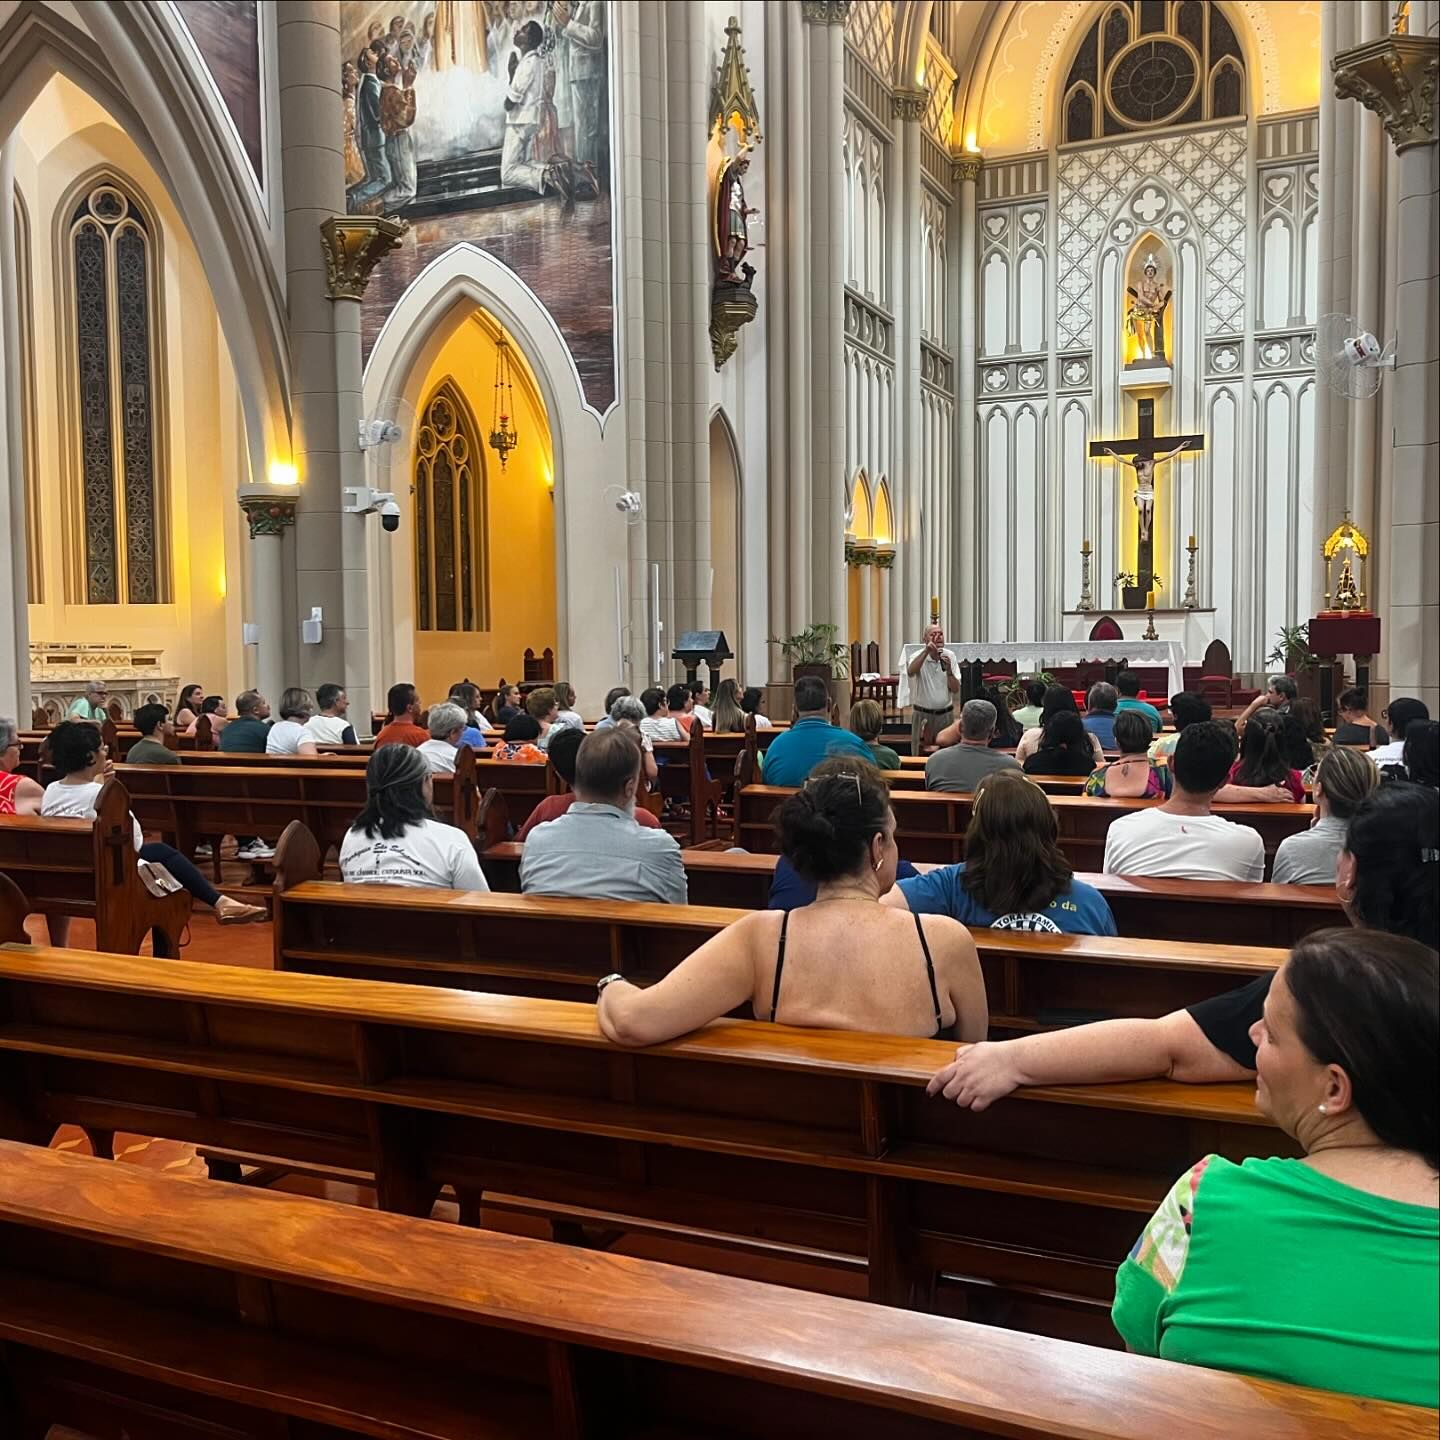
{"x": 845, "y": 962}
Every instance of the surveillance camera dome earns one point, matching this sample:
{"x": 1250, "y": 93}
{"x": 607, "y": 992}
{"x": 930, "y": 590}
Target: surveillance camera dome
{"x": 390, "y": 516}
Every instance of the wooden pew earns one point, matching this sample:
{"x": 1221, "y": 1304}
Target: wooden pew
{"x": 277, "y": 1308}
{"x": 76, "y": 867}
{"x": 1207, "y": 910}
{"x": 814, "y": 1146}
{"x": 931, "y": 826}
{"x": 555, "y": 948}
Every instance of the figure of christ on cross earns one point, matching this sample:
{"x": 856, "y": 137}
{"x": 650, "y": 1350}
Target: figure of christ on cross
{"x": 1144, "y": 447}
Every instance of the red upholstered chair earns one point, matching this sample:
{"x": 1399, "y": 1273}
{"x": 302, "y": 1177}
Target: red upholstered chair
{"x": 1217, "y": 679}
{"x": 1106, "y": 628}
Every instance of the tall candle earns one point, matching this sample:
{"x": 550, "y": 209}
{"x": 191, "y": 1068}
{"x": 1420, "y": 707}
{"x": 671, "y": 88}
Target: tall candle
{"x": 934, "y": 604}
{"x": 1190, "y": 543}
{"x": 1149, "y": 599}
{"x": 1084, "y": 547}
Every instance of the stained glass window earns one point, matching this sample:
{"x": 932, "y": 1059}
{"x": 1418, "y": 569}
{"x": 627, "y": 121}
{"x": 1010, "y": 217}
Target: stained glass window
{"x": 125, "y": 555}
{"x": 452, "y": 584}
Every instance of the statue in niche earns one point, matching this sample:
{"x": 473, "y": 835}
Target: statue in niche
{"x": 732, "y": 221}
{"x": 1145, "y": 312}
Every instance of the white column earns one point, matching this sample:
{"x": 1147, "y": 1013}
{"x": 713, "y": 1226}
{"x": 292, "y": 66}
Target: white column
{"x": 888, "y": 655}
{"x": 965, "y": 548}
{"x": 15, "y": 693}
{"x": 913, "y": 607}
{"x": 269, "y": 515}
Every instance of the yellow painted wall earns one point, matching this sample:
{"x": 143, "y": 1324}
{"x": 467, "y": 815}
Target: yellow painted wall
{"x": 200, "y": 434}
{"x": 520, "y": 545}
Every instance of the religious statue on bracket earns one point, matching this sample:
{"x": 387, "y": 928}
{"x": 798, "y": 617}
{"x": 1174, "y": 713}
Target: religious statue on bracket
{"x": 1148, "y": 300}
{"x": 734, "y": 134}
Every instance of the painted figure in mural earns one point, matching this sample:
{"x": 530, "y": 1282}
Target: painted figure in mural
{"x": 520, "y": 164}
{"x": 732, "y": 217}
{"x": 580, "y": 26}
{"x": 397, "y": 115}
{"x": 370, "y": 135}
{"x": 1144, "y": 468}
{"x": 425, "y": 46}
{"x": 349, "y": 84}
{"x": 460, "y": 36}
{"x": 1145, "y": 316}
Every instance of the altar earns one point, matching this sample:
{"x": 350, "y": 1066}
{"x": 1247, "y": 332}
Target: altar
{"x": 1032, "y": 656}
{"x": 59, "y": 673}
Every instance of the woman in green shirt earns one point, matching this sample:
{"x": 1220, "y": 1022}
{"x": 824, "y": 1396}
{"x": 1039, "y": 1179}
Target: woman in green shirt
{"x": 1320, "y": 1271}
{"x": 866, "y": 720}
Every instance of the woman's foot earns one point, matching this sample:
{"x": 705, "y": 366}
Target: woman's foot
{"x": 237, "y": 912}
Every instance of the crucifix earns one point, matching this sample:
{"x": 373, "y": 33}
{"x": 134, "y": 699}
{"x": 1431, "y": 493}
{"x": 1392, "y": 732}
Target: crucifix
{"x": 1143, "y": 453}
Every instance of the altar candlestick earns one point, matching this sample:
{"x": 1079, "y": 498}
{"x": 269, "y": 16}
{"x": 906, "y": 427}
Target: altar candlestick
{"x": 1149, "y": 599}
{"x": 1084, "y": 547}
{"x": 1190, "y": 543}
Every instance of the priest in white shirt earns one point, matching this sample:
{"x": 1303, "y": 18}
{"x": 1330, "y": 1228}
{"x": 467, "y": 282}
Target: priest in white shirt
{"x": 932, "y": 679}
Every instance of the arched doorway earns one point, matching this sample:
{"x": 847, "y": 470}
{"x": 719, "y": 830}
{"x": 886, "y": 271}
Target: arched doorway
{"x": 726, "y": 593}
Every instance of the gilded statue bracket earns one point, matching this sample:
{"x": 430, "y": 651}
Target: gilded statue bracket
{"x": 1396, "y": 77}
{"x": 354, "y": 245}
{"x": 268, "y": 514}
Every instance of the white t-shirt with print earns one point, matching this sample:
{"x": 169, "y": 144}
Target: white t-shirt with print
{"x": 439, "y": 756}
{"x": 323, "y": 729}
{"x": 285, "y": 736}
{"x": 429, "y": 853}
{"x": 77, "y": 802}
{"x": 1158, "y": 843}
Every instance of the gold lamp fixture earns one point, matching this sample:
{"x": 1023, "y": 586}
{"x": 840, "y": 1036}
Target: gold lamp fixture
{"x": 503, "y": 435}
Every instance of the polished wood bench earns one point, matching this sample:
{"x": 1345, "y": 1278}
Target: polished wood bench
{"x": 807, "y": 1145}
{"x": 556, "y": 948}
{"x": 1208, "y": 910}
{"x": 931, "y": 826}
{"x": 86, "y": 869}
{"x": 278, "y": 1308}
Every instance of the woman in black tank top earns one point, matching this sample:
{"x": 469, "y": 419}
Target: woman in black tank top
{"x": 846, "y": 961}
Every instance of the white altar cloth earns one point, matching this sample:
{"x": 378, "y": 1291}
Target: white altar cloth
{"x": 1041, "y": 654}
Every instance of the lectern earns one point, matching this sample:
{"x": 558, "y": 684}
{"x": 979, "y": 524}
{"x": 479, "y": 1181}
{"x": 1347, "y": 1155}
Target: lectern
{"x": 707, "y": 645}
{"x": 1343, "y": 632}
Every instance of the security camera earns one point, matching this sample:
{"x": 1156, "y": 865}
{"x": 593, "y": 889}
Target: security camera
{"x": 362, "y": 500}
{"x": 390, "y": 515}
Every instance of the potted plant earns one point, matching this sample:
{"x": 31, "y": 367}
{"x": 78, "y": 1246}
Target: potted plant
{"x": 1132, "y": 592}
{"x": 1292, "y": 649}
{"x": 815, "y": 651}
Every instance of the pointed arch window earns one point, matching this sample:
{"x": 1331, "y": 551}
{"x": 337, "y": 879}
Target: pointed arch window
{"x": 451, "y": 571}
{"x": 124, "y": 551}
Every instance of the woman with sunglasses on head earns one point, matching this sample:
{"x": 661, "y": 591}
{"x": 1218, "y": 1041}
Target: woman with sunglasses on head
{"x": 845, "y": 962}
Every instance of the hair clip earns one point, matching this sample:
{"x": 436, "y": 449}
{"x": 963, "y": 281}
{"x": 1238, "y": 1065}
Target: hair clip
{"x": 1429, "y": 856}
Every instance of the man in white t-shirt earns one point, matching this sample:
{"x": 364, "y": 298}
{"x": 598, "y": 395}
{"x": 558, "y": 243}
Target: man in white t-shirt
{"x": 331, "y": 724}
{"x": 447, "y": 724}
{"x": 1181, "y": 839}
{"x": 930, "y": 681}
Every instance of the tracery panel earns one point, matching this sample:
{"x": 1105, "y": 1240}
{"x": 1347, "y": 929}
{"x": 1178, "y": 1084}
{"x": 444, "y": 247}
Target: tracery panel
{"x": 451, "y": 569}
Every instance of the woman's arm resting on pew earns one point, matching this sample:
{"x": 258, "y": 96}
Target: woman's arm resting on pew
{"x": 713, "y": 981}
{"x": 1253, "y": 795}
{"x": 1172, "y": 1047}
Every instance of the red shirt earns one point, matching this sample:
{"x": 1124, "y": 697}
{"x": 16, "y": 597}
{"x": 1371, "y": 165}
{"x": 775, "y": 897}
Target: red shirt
{"x": 1294, "y": 782}
{"x": 552, "y": 807}
{"x": 10, "y": 783}
{"x": 401, "y": 732}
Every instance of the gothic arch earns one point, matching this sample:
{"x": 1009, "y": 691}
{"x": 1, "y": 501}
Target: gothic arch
{"x": 727, "y": 530}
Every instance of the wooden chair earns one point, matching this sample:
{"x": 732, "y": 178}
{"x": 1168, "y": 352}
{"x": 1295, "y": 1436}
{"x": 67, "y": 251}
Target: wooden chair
{"x": 1106, "y": 628}
{"x": 1217, "y": 675}
{"x": 539, "y": 670}
{"x": 40, "y": 718}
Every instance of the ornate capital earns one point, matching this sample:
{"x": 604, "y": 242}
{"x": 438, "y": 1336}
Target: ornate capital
{"x": 354, "y": 246}
{"x": 909, "y": 102}
{"x": 1397, "y": 78}
{"x": 825, "y": 12}
{"x": 268, "y": 514}
{"x": 965, "y": 168}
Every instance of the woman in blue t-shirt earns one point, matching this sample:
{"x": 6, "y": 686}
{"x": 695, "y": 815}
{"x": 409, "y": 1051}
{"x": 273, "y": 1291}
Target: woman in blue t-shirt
{"x": 1015, "y": 876}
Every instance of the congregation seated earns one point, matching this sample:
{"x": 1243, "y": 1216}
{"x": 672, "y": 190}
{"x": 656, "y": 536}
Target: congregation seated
{"x": 1127, "y": 687}
{"x": 153, "y": 723}
{"x": 1342, "y": 781}
{"x": 249, "y": 729}
{"x": 19, "y": 794}
{"x": 681, "y": 702}
{"x": 726, "y": 715}
{"x": 447, "y": 726}
{"x": 520, "y": 741}
{"x": 567, "y": 714}
{"x": 1029, "y": 714}
{"x": 1057, "y": 698}
{"x": 844, "y": 962}
{"x": 189, "y": 705}
{"x": 91, "y": 704}
{"x": 1180, "y": 839}
{"x": 508, "y": 703}
{"x": 811, "y": 739}
{"x": 402, "y": 718}
{"x": 330, "y": 725}
{"x": 542, "y": 707}
{"x": 1014, "y": 876}
{"x": 1355, "y": 726}
{"x": 627, "y": 713}
{"x": 1008, "y": 729}
{"x": 596, "y": 849}
{"x": 1319, "y": 1271}
{"x": 1386, "y": 881}
{"x": 1066, "y": 747}
{"x": 700, "y": 700}
{"x": 1263, "y": 772}
{"x": 562, "y": 754}
{"x": 659, "y": 724}
{"x": 1399, "y": 712}
{"x": 396, "y": 839}
{"x": 1100, "y": 702}
{"x": 958, "y": 769}
{"x": 1419, "y": 756}
{"x": 477, "y": 727}
{"x": 1186, "y": 708}
{"x": 750, "y": 699}
{"x": 1134, "y": 773}
{"x": 866, "y": 720}
{"x": 618, "y": 692}
{"x": 213, "y": 708}
{"x": 1279, "y": 694}
{"x": 288, "y": 735}
{"x": 79, "y": 753}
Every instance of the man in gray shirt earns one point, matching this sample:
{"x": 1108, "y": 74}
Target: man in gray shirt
{"x": 595, "y": 850}
{"x": 960, "y": 768}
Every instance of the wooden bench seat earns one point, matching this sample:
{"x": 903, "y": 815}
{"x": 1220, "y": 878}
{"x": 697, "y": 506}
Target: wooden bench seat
{"x": 283, "y": 1315}
{"x": 931, "y": 826}
{"x": 812, "y": 1140}
{"x": 1208, "y": 910}
{"x": 556, "y": 949}
{"x": 86, "y": 869}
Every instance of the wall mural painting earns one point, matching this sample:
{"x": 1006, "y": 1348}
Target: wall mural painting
{"x": 226, "y": 32}
{"x": 488, "y": 121}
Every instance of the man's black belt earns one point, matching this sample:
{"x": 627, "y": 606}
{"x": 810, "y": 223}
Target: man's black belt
{"x": 925, "y": 710}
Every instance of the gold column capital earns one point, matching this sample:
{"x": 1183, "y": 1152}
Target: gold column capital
{"x": 825, "y": 12}
{"x": 1396, "y": 77}
{"x": 908, "y": 102}
{"x": 354, "y": 245}
{"x": 965, "y": 168}
{"x": 268, "y": 514}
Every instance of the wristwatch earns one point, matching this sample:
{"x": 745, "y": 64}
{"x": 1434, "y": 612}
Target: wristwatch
{"x": 605, "y": 980}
